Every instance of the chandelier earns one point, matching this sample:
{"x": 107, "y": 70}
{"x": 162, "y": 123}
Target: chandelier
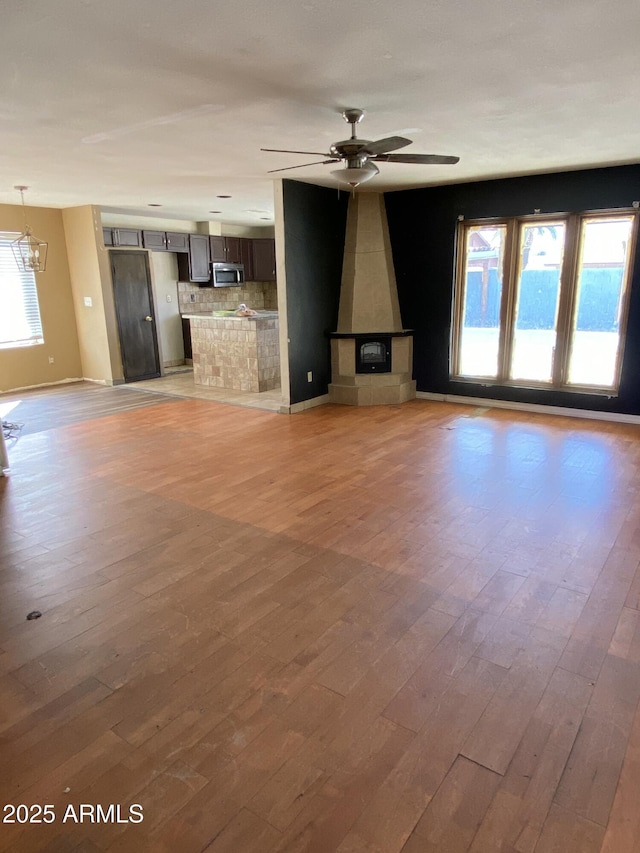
{"x": 29, "y": 252}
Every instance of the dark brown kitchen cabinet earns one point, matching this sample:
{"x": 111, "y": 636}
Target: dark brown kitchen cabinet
{"x": 232, "y": 245}
{"x": 227, "y": 249}
{"x": 166, "y": 241}
{"x": 194, "y": 266}
{"x": 218, "y": 250}
{"x": 264, "y": 259}
{"x": 177, "y": 241}
{"x": 122, "y": 237}
{"x": 155, "y": 240}
{"x": 246, "y": 258}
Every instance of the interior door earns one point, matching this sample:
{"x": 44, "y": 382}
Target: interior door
{"x": 135, "y": 314}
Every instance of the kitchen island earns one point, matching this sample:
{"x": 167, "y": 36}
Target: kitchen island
{"x": 242, "y": 353}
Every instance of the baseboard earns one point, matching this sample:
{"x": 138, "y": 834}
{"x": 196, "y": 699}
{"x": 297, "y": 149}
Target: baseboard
{"x": 43, "y": 385}
{"x": 305, "y": 404}
{"x": 177, "y": 362}
{"x": 535, "y": 408}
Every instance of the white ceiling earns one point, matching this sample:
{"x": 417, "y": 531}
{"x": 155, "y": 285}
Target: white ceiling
{"x": 130, "y": 102}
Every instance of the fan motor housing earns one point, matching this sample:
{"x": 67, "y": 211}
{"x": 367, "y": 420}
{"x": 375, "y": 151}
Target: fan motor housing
{"x": 348, "y": 148}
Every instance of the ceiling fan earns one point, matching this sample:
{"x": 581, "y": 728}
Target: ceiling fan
{"x": 361, "y": 155}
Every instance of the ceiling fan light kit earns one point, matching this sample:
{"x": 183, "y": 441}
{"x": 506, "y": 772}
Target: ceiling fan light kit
{"x": 358, "y": 155}
{"x": 356, "y": 174}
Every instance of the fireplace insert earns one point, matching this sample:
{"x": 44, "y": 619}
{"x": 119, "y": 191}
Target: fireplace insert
{"x": 373, "y": 354}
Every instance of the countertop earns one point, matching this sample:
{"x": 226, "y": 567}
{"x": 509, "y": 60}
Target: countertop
{"x": 223, "y": 315}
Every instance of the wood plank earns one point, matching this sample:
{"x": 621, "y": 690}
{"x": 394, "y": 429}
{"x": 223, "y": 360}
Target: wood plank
{"x": 418, "y": 775}
{"x": 414, "y": 703}
{"x": 498, "y": 732}
{"x": 594, "y": 629}
{"x": 451, "y": 819}
{"x": 564, "y": 831}
{"x": 589, "y": 782}
{"x": 245, "y": 832}
{"x": 524, "y": 796}
{"x": 623, "y": 830}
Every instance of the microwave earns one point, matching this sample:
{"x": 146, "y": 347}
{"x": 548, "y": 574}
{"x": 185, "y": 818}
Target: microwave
{"x": 227, "y": 275}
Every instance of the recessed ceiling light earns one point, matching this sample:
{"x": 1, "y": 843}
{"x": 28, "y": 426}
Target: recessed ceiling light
{"x": 268, "y": 218}
{"x": 154, "y": 205}
{"x": 215, "y": 211}
{"x": 223, "y": 196}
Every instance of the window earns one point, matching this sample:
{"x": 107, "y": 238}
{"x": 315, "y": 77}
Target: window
{"x": 19, "y": 310}
{"x": 542, "y": 301}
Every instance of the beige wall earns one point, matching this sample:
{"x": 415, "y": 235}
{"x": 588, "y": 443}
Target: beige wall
{"x": 91, "y": 279}
{"x": 22, "y": 367}
{"x": 248, "y": 231}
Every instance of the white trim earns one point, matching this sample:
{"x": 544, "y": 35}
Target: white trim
{"x": 563, "y": 411}
{"x": 43, "y": 385}
{"x": 305, "y": 404}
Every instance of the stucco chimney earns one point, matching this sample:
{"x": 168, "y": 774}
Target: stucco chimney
{"x": 368, "y": 294}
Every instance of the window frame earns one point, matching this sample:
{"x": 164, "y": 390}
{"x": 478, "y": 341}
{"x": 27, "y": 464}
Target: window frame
{"x": 567, "y": 299}
{"x": 29, "y": 292}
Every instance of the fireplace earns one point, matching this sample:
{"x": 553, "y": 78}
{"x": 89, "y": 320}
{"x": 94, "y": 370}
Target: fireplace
{"x": 371, "y": 354}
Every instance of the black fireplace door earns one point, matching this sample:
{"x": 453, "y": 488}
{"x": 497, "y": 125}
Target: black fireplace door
{"x": 373, "y": 355}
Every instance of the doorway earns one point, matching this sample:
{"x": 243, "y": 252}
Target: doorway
{"x": 135, "y": 314}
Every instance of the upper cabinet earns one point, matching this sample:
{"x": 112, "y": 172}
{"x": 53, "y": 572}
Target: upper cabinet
{"x": 232, "y": 245}
{"x": 166, "y": 241}
{"x": 156, "y": 240}
{"x": 177, "y": 242}
{"x": 226, "y": 249}
{"x": 218, "y": 250}
{"x": 264, "y": 259}
{"x": 122, "y": 237}
{"x": 194, "y": 266}
{"x": 246, "y": 259}
{"x": 258, "y": 256}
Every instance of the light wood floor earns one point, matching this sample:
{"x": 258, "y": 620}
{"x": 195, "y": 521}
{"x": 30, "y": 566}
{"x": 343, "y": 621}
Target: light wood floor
{"x": 410, "y": 628}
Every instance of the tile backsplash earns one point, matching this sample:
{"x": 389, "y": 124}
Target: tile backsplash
{"x": 259, "y": 295}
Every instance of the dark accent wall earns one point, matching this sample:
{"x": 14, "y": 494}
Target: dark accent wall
{"x": 314, "y": 229}
{"x": 422, "y": 226}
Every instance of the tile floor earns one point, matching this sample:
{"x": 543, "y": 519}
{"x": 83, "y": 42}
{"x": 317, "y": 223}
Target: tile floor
{"x": 178, "y": 383}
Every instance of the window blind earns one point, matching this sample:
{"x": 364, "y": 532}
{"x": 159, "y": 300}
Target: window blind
{"x": 20, "y": 323}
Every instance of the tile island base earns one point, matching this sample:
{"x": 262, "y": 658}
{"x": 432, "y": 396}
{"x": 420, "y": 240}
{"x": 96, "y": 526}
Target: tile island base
{"x": 242, "y": 353}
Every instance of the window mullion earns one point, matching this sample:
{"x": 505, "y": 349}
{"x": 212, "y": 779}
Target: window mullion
{"x": 623, "y": 311}
{"x": 566, "y": 302}
{"x": 459, "y": 294}
{"x": 507, "y": 306}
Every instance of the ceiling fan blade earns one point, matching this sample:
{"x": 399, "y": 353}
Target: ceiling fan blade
{"x": 381, "y": 146}
{"x": 286, "y": 151}
{"x": 302, "y": 165}
{"x": 425, "y": 159}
